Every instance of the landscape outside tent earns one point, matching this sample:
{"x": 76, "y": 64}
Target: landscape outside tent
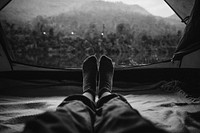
{"x": 129, "y": 34}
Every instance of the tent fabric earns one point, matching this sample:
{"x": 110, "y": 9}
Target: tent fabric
{"x": 183, "y": 8}
{"x": 190, "y": 40}
{"x": 5, "y": 64}
{"x": 3, "y": 3}
{"x": 122, "y": 79}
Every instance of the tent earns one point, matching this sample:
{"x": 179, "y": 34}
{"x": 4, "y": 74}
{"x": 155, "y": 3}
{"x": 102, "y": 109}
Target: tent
{"x": 24, "y": 87}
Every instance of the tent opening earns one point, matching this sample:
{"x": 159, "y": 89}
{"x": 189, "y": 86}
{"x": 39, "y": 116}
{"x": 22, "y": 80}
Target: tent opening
{"x": 61, "y": 34}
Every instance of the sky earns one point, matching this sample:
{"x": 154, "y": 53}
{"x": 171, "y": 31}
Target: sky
{"x": 155, "y": 7}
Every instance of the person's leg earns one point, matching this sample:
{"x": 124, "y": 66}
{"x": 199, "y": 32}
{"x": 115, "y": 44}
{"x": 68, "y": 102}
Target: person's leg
{"x": 106, "y": 72}
{"x": 114, "y": 113}
{"x": 76, "y": 114}
{"x": 90, "y": 77}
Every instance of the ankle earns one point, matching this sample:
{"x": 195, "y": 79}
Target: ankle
{"x": 103, "y": 91}
{"x": 106, "y": 93}
{"x": 89, "y": 96}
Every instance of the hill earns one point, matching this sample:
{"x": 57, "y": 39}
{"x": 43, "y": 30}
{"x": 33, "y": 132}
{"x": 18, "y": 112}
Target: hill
{"x": 25, "y": 10}
{"x": 174, "y": 17}
{"x": 174, "y": 20}
{"x": 112, "y": 7}
{"x": 76, "y": 15}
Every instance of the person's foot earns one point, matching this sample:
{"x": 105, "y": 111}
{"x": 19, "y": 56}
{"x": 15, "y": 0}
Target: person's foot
{"x": 106, "y": 72}
{"x": 90, "y": 75}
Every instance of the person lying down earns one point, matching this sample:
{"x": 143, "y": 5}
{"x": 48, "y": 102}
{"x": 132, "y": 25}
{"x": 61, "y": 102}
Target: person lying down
{"x": 80, "y": 114}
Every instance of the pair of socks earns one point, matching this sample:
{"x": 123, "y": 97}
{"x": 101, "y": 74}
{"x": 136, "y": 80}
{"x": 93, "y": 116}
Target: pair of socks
{"x": 90, "y": 72}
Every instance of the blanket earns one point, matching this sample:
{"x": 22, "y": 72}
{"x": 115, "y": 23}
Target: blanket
{"x": 170, "y": 109}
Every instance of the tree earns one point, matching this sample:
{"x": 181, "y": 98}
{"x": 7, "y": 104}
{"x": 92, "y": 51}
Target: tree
{"x": 123, "y": 29}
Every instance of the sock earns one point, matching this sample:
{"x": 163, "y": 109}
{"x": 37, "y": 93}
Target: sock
{"x": 90, "y": 75}
{"x": 106, "y": 72}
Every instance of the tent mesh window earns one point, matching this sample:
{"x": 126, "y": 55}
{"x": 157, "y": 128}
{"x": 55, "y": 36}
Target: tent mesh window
{"x": 62, "y": 34}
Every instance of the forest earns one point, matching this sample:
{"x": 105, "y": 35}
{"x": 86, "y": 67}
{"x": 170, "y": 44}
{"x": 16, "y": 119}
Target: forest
{"x": 65, "y": 40}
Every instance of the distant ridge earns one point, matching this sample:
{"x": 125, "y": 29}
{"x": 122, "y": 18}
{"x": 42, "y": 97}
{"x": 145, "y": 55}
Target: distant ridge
{"x": 174, "y": 17}
{"x": 76, "y": 14}
{"x": 117, "y": 6}
{"x": 26, "y": 10}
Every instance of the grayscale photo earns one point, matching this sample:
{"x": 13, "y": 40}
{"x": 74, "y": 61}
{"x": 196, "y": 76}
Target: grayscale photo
{"x": 99, "y": 66}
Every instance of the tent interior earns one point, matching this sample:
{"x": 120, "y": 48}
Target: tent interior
{"x": 166, "y": 93}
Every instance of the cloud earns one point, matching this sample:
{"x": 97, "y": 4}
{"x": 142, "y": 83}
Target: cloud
{"x": 156, "y": 7}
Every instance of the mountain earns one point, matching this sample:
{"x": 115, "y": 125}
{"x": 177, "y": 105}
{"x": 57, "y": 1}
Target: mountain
{"x": 174, "y": 20}
{"x": 25, "y": 10}
{"x": 174, "y": 17}
{"x": 76, "y": 15}
{"x": 110, "y": 6}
